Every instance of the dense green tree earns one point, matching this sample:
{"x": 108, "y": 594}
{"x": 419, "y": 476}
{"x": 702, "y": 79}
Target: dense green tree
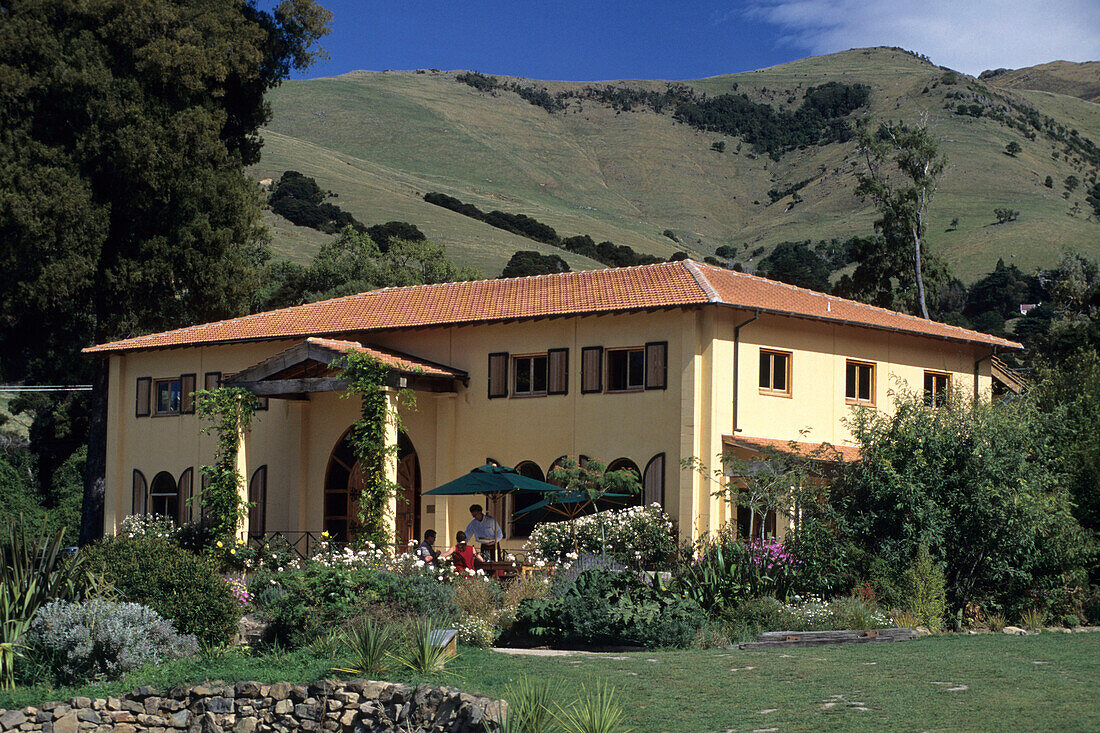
{"x": 1012, "y": 148}
{"x": 382, "y": 234}
{"x": 902, "y": 205}
{"x": 797, "y": 264}
{"x": 124, "y": 131}
{"x": 1001, "y": 291}
{"x": 352, "y": 263}
{"x": 528, "y": 262}
{"x": 298, "y": 199}
{"x": 981, "y": 485}
{"x": 1068, "y": 321}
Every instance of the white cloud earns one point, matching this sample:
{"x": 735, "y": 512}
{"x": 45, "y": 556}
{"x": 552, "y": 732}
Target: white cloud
{"x": 962, "y": 34}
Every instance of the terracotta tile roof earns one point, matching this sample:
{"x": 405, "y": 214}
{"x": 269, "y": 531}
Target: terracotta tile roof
{"x": 394, "y": 359}
{"x": 664, "y": 285}
{"x": 829, "y": 452}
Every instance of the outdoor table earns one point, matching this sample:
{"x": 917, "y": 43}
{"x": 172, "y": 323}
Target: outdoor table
{"x": 501, "y": 568}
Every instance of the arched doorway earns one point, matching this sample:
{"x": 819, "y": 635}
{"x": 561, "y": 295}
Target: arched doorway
{"x": 625, "y": 464}
{"x": 344, "y": 484}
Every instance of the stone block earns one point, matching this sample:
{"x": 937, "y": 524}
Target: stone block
{"x": 279, "y": 691}
{"x": 12, "y": 719}
{"x": 113, "y": 703}
{"x": 143, "y": 692}
{"x": 67, "y": 723}
{"x": 80, "y": 702}
{"x": 245, "y": 725}
{"x": 87, "y": 715}
{"x": 284, "y": 707}
{"x": 151, "y": 705}
{"x": 247, "y": 689}
{"x": 180, "y": 719}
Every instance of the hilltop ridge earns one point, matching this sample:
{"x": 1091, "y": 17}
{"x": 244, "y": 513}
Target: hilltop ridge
{"x": 639, "y": 177}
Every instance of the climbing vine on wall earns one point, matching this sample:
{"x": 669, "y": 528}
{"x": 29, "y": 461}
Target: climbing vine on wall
{"x": 366, "y": 377}
{"x": 230, "y": 411}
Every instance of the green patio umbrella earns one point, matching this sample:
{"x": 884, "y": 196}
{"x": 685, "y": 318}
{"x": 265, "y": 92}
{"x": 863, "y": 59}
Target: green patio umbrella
{"x": 571, "y": 504}
{"x": 490, "y": 479}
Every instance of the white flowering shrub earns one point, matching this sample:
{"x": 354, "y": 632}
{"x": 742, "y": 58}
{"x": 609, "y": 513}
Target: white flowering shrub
{"x": 474, "y": 631}
{"x": 151, "y": 526}
{"x": 805, "y": 613}
{"x": 634, "y": 535}
{"x": 101, "y": 639}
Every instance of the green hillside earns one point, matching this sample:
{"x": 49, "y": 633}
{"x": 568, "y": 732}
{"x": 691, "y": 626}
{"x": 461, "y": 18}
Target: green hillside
{"x": 383, "y": 139}
{"x": 1060, "y": 77}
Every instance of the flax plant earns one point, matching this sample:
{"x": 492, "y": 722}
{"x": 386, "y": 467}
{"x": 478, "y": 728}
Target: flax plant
{"x": 371, "y": 649}
{"x": 528, "y": 708}
{"x": 593, "y": 713}
{"x": 33, "y": 572}
{"x": 424, "y": 656}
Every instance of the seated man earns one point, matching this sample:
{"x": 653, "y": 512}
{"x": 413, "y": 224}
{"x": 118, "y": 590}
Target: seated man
{"x": 462, "y": 553}
{"x": 426, "y": 550}
{"x": 485, "y": 530}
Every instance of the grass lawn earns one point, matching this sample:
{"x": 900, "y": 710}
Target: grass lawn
{"x": 984, "y": 682}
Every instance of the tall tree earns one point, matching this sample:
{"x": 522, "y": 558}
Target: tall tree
{"x": 902, "y": 205}
{"x": 125, "y": 126}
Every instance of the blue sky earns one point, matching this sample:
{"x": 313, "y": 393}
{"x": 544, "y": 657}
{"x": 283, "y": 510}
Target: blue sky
{"x": 560, "y": 39}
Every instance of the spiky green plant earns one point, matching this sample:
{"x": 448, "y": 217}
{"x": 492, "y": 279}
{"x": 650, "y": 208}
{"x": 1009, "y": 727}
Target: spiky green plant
{"x": 370, "y": 648}
{"x": 528, "y": 708}
{"x": 596, "y": 712}
{"x": 1033, "y": 619}
{"x": 33, "y": 572}
{"x": 423, "y": 655}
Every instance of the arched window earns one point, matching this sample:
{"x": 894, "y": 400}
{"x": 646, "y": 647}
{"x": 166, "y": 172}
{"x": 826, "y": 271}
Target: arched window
{"x": 653, "y": 481}
{"x": 558, "y": 462}
{"x": 625, "y": 464}
{"x": 257, "y": 497}
{"x": 141, "y": 489}
{"x": 164, "y": 496}
{"x": 522, "y": 526}
{"x": 185, "y": 491}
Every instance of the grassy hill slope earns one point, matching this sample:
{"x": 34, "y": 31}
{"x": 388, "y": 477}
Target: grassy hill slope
{"x": 1061, "y": 77}
{"x": 383, "y": 139}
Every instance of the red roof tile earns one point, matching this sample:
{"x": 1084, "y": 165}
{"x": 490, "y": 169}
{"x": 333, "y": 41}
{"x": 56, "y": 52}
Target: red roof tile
{"x": 828, "y": 452}
{"x": 393, "y": 359}
{"x": 669, "y": 284}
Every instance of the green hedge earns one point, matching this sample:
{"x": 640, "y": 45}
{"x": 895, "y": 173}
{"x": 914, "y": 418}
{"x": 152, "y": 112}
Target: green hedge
{"x": 176, "y": 583}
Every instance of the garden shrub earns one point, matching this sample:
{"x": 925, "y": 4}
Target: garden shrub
{"x": 979, "y": 484}
{"x": 729, "y": 570}
{"x": 179, "y": 585}
{"x": 640, "y": 534}
{"x": 754, "y": 616}
{"x": 924, "y": 590}
{"x": 824, "y": 553}
{"x": 612, "y": 608}
{"x": 96, "y": 639}
{"x": 566, "y": 574}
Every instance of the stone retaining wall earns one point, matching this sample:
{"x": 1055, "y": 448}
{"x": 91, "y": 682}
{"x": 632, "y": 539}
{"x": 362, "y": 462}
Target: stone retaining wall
{"x": 356, "y": 706}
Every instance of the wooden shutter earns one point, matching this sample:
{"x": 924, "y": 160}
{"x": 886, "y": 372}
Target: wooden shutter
{"x": 211, "y": 381}
{"x": 257, "y": 497}
{"x": 498, "y": 374}
{"x": 144, "y": 394}
{"x": 653, "y": 481}
{"x": 202, "y": 510}
{"x": 184, "y": 494}
{"x": 187, "y": 394}
{"x": 140, "y": 492}
{"x": 558, "y": 378}
{"x": 591, "y": 369}
{"x": 656, "y": 365}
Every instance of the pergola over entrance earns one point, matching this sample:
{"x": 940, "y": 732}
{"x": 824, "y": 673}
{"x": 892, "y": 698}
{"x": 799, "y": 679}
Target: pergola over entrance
{"x": 308, "y": 367}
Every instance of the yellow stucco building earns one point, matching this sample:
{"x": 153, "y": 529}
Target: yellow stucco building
{"x": 639, "y": 367}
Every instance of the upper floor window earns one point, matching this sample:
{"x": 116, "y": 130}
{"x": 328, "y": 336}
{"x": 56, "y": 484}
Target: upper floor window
{"x": 530, "y": 375}
{"x": 937, "y": 385}
{"x": 859, "y": 383}
{"x": 168, "y": 395}
{"x": 625, "y": 370}
{"x": 775, "y": 372}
